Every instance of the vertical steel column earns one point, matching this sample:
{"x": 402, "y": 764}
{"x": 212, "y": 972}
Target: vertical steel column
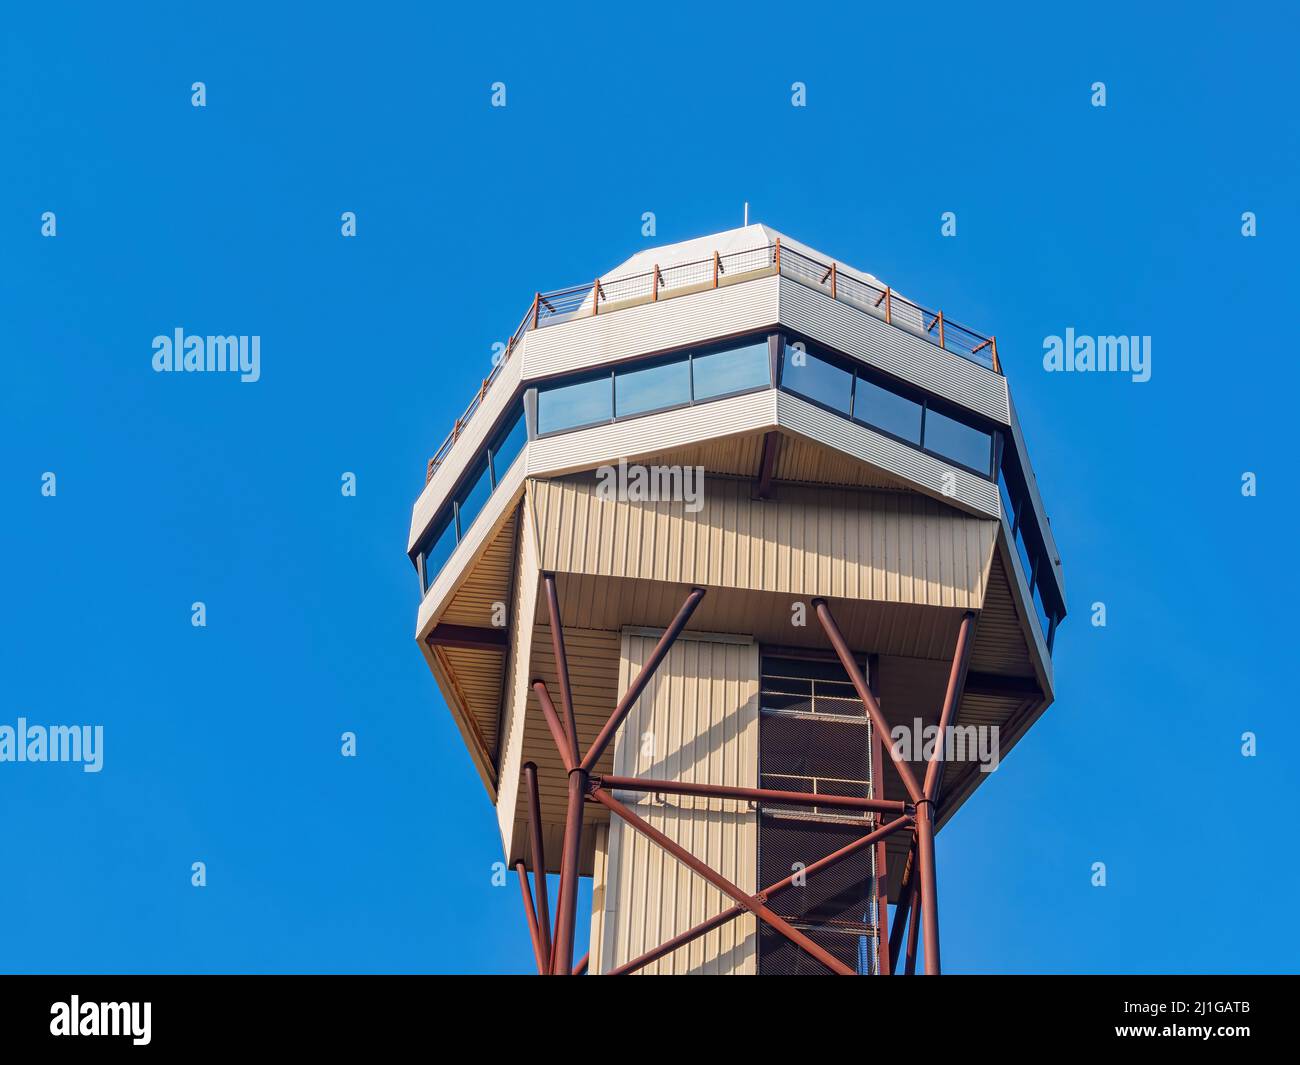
{"x": 906, "y": 899}
{"x": 882, "y": 866}
{"x": 913, "y": 928}
{"x": 925, "y": 807}
{"x": 539, "y": 860}
{"x": 926, "y": 885}
{"x": 531, "y": 914}
{"x": 566, "y": 913}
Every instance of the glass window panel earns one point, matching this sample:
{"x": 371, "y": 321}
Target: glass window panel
{"x": 509, "y": 442}
{"x": 652, "y": 387}
{"x": 887, "y": 410}
{"x": 572, "y": 405}
{"x": 816, "y": 379}
{"x": 958, "y": 441}
{"x": 439, "y": 545}
{"x": 1026, "y": 559}
{"x": 1007, "y": 507}
{"x": 719, "y": 373}
{"x": 1044, "y": 618}
{"x": 472, "y": 497}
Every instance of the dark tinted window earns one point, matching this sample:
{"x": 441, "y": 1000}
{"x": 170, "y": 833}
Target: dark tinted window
{"x": 652, "y": 387}
{"x": 1007, "y": 506}
{"x": 887, "y": 410}
{"x": 957, "y": 441}
{"x": 804, "y": 373}
{"x": 509, "y": 442}
{"x": 1022, "y": 548}
{"x": 1043, "y": 618}
{"x": 569, "y": 406}
{"x": 719, "y": 373}
{"x": 473, "y": 495}
{"x": 439, "y": 545}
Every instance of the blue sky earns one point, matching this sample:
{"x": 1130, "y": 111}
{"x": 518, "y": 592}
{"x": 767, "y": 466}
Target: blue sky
{"x": 222, "y": 743}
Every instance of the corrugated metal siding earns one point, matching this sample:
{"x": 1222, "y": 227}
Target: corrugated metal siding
{"x": 670, "y": 323}
{"x": 887, "y": 546}
{"x": 893, "y": 350}
{"x": 866, "y": 444}
{"x": 696, "y": 721}
{"x": 477, "y": 676}
{"x": 487, "y": 583}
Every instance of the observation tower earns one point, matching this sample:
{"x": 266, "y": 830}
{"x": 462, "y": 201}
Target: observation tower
{"x": 723, "y": 527}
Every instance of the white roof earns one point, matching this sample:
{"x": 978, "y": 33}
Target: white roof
{"x": 744, "y": 238}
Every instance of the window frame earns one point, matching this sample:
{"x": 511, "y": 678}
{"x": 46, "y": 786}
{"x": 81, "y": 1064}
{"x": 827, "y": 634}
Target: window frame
{"x": 686, "y": 354}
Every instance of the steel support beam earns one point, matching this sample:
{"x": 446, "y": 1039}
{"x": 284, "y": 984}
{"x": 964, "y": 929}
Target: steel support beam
{"x": 703, "y": 928}
{"x": 531, "y": 915}
{"x": 553, "y": 723}
{"x": 925, "y": 808}
{"x": 539, "y": 860}
{"x": 566, "y": 908}
{"x": 633, "y": 692}
{"x": 882, "y": 858}
{"x": 926, "y": 885}
{"x": 864, "y": 693}
{"x": 761, "y": 795}
{"x": 467, "y": 637}
{"x": 561, "y": 665}
{"x": 758, "y": 909}
{"x": 906, "y": 892}
{"x": 666, "y": 948}
{"x": 767, "y": 465}
{"x": 956, "y": 678}
{"x": 913, "y": 928}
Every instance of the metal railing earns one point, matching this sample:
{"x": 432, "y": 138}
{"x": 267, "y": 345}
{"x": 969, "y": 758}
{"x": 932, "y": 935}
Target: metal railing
{"x": 616, "y": 294}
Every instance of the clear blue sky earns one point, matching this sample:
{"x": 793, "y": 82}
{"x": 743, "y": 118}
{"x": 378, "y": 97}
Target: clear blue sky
{"x": 222, "y": 743}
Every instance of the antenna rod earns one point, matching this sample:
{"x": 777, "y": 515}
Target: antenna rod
{"x": 746, "y": 212}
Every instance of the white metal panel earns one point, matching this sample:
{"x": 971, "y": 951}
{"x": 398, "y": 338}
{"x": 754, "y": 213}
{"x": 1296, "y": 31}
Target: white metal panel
{"x": 589, "y": 448}
{"x": 651, "y": 327}
{"x": 950, "y": 483}
{"x": 894, "y": 350}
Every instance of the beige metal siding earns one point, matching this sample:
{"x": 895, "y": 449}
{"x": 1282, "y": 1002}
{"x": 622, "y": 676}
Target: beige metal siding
{"x": 840, "y": 543}
{"x": 696, "y": 721}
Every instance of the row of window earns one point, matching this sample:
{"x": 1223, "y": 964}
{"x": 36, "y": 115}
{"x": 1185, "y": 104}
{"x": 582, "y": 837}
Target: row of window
{"x": 659, "y": 384}
{"x": 894, "y": 411}
{"x": 1030, "y": 547}
{"x": 725, "y": 370}
{"x": 455, "y": 518}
